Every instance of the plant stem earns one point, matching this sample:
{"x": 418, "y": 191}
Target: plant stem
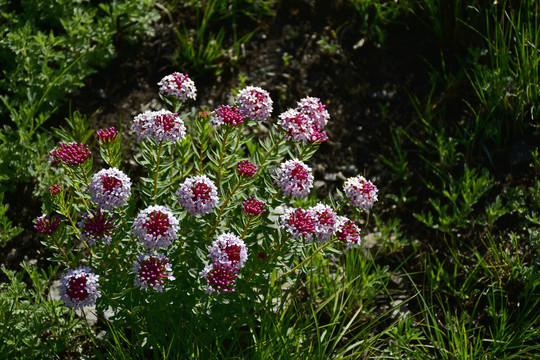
{"x": 304, "y": 261}
{"x": 156, "y": 173}
{"x": 223, "y": 143}
{"x": 223, "y": 207}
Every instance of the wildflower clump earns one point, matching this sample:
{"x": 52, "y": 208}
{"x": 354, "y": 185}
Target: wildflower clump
{"x": 163, "y": 239}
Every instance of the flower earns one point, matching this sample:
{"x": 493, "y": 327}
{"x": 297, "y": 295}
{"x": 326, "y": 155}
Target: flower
{"x": 219, "y": 277}
{"x": 159, "y": 125}
{"x": 78, "y": 287}
{"x": 55, "y": 189}
{"x": 298, "y": 222}
{"x": 246, "y": 168}
{"x": 294, "y": 178}
{"x": 228, "y": 249}
{"x": 152, "y": 271}
{"x": 198, "y": 195}
{"x": 70, "y": 154}
{"x": 110, "y": 188}
{"x": 228, "y": 115}
{"x": 46, "y": 224}
{"x": 347, "y": 232}
{"x": 253, "y": 207}
{"x": 325, "y": 221}
{"x": 179, "y": 86}
{"x": 96, "y": 226}
{"x": 361, "y": 192}
{"x": 107, "y": 136}
{"x": 312, "y": 108}
{"x": 255, "y": 103}
{"x": 156, "y": 227}
{"x": 305, "y": 123}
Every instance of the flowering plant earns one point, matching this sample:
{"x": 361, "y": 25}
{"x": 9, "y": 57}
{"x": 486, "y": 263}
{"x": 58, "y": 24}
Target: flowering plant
{"x": 221, "y": 217}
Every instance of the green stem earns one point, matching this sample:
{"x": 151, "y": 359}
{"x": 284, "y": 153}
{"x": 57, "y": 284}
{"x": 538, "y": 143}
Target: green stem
{"x": 156, "y": 173}
{"x": 246, "y": 227}
{"x": 223, "y": 144}
{"x": 223, "y": 207}
{"x": 304, "y": 261}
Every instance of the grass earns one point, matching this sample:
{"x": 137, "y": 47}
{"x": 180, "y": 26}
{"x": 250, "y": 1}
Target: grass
{"x": 454, "y": 270}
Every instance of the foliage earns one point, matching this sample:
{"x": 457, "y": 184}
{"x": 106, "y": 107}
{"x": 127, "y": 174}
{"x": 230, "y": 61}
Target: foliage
{"x": 31, "y": 324}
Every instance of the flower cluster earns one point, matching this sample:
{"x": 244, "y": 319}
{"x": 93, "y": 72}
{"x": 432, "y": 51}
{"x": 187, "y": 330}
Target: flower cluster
{"x": 179, "y": 86}
{"x": 107, "y": 136}
{"x": 228, "y": 249}
{"x": 55, "y": 189}
{"x": 46, "y": 224}
{"x": 219, "y": 277}
{"x": 156, "y": 227}
{"x": 298, "y": 222}
{"x": 78, "y": 287}
{"x": 96, "y": 226}
{"x": 253, "y": 207}
{"x": 255, "y": 103}
{"x": 348, "y": 232}
{"x": 294, "y": 178}
{"x": 326, "y": 221}
{"x": 228, "y": 254}
{"x": 227, "y": 115}
{"x": 110, "y": 188}
{"x": 361, "y": 192}
{"x": 159, "y": 125}
{"x": 152, "y": 271}
{"x": 70, "y": 154}
{"x": 198, "y": 195}
{"x": 306, "y": 122}
{"x": 246, "y": 168}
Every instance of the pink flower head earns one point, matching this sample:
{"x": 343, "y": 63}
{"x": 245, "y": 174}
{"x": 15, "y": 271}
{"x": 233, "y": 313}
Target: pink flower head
{"x": 107, "y": 136}
{"x": 314, "y": 110}
{"x": 227, "y": 115}
{"x": 325, "y": 221}
{"x": 361, "y": 192}
{"x": 156, "y": 227}
{"x": 47, "y": 224}
{"x": 253, "y": 207}
{"x": 255, "y": 103}
{"x": 78, "y": 287}
{"x": 298, "y": 222}
{"x": 198, "y": 195}
{"x": 294, "y": 178}
{"x": 306, "y": 122}
{"x": 55, "y": 189}
{"x": 110, "y": 188}
{"x": 152, "y": 271}
{"x": 159, "y": 125}
{"x": 228, "y": 249}
{"x": 70, "y": 154}
{"x": 179, "y": 86}
{"x": 96, "y": 226}
{"x": 219, "y": 277}
{"x": 348, "y": 232}
{"x": 246, "y": 168}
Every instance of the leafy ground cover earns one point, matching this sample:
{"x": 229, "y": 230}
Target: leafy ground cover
{"x": 434, "y": 101}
